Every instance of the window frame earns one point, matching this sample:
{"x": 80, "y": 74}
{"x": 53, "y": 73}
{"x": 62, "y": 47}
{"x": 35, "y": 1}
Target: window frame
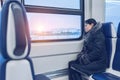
{"x": 23, "y": 1}
{"x": 57, "y": 10}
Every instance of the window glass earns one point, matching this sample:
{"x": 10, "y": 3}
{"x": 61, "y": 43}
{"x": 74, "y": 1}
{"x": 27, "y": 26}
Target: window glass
{"x": 45, "y": 26}
{"x": 73, "y": 4}
{"x": 112, "y": 12}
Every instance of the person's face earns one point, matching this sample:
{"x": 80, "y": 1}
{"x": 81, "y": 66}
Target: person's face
{"x": 88, "y": 27}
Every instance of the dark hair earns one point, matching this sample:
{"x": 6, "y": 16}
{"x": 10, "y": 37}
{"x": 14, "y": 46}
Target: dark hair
{"x": 90, "y": 21}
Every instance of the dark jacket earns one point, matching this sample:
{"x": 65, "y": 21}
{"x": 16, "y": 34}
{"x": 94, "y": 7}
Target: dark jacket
{"x": 93, "y": 57}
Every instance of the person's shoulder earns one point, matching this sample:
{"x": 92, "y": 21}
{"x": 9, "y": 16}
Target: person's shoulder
{"x": 98, "y": 33}
{"x": 97, "y": 28}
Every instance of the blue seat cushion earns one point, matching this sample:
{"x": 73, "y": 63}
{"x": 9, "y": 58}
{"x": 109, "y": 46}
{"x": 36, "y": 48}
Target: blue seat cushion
{"x": 105, "y": 76}
{"x": 108, "y": 42}
{"x": 116, "y": 61}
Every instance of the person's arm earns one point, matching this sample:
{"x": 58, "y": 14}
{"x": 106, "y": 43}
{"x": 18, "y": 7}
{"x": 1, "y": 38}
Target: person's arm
{"x": 98, "y": 44}
{"x": 98, "y": 47}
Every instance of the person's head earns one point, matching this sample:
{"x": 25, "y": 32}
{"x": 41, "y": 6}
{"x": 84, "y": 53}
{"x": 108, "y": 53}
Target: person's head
{"x": 89, "y": 23}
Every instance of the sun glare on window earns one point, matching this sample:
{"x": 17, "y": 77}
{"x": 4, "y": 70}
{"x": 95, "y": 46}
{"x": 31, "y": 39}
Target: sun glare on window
{"x": 54, "y": 26}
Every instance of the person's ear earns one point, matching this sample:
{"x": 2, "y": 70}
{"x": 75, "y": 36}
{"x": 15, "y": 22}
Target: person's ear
{"x": 92, "y": 24}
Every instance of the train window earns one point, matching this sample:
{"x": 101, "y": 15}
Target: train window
{"x": 54, "y": 26}
{"x": 74, "y": 4}
{"x": 112, "y": 13}
{"x": 55, "y": 20}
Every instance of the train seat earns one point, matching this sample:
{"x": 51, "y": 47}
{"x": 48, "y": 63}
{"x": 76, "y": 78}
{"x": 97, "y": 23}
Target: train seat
{"x": 15, "y": 44}
{"x": 116, "y": 61}
{"x": 111, "y": 39}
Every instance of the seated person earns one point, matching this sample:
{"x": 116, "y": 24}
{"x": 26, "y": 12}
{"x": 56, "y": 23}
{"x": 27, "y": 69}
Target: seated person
{"x": 93, "y": 57}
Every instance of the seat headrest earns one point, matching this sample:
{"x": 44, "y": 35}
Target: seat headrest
{"x": 109, "y": 30}
{"x": 14, "y": 32}
{"x": 118, "y": 31}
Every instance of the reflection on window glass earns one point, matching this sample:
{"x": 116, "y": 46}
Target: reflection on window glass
{"x": 112, "y": 12}
{"x": 74, "y": 4}
{"x": 54, "y": 26}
